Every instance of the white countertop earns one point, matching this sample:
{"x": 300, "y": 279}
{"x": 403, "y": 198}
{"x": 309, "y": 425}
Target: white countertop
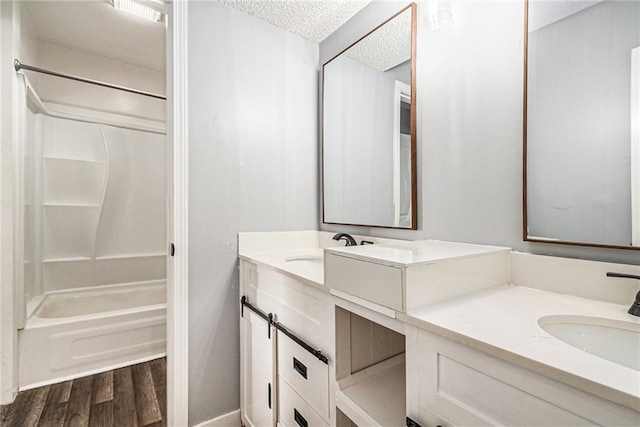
{"x": 503, "y": 323}
{"x": 414, "y": 253}
{"x": 277, "y": 260}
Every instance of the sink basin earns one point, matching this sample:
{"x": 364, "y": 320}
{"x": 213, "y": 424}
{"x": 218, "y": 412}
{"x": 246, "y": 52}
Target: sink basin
{"x": 314, "y": 261}
{"x": 614, "y": 340}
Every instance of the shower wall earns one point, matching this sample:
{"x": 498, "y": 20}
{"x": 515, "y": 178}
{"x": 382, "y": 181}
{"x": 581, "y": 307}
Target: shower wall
{"x": 69, "y": 93}
{"x": 94, "y": 205}
{"x": 94, "y": 195}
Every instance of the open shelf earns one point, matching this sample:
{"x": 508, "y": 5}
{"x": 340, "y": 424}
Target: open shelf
{"x": 69, "y": 259}
{"x": 132, "y": 255}
{"x": 73, "y": 205}
{"x": 72, "y": 160}
{"x": 375, "y": 396}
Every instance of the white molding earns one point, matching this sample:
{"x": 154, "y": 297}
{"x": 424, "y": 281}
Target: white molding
{"x": 88, "y": 115}
{"x": 402, "y": 91}
{"x": 9, "y": 14}
{"x": 83, "y": 114}
{"x": 635, "y": 146}
{"x": 231, "y": 419}
{"x": 177, "y": 266}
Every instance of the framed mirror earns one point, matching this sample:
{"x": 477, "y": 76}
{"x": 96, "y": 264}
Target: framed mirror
{"x": 582, "y": 123}
{"x": 369, "y": 128}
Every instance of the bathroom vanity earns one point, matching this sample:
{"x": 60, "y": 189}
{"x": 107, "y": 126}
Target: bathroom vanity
{"x": 428, "y": 333}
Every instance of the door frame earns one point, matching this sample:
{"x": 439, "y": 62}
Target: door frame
{"x": 401, "y": 93}
{"x": 635, "y": 146}
{"x": 177, "y": 215}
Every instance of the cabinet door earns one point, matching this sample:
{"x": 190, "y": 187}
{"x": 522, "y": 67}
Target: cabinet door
{"x": 257, "y": 356}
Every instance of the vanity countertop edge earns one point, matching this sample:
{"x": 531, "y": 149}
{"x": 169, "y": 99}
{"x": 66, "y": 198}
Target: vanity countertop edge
{"x": 409, "y": 254}
{"x": 502, "y": 322}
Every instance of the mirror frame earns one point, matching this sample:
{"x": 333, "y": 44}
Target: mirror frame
{"x": 525, "y": 234}
{"x": 414, "y": 172}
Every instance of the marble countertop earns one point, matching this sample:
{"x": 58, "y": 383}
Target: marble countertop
{"x": 503, "y": 322}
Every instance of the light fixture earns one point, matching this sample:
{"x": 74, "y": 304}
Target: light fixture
{"x": 139, "y": 9}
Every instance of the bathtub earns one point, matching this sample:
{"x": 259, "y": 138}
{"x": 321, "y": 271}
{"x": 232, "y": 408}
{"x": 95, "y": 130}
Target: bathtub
{"x": 73, "y": 334}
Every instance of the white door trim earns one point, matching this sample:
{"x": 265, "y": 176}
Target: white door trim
{"x": 177, "y": 272}
{"x": 402, "y": 92}
{"x": 9, "y": 30}
{"x": 635, "y": 146}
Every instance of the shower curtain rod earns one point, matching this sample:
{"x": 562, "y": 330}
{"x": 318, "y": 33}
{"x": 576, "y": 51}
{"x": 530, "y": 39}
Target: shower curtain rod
{"x": 20, "y": 66}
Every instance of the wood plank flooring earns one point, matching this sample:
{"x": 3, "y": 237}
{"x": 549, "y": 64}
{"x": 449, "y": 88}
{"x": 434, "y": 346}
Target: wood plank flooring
{"x": 134, "y": 396}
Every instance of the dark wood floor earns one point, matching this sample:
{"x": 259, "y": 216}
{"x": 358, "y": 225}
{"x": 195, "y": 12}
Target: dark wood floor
{"x": 134, "y": 396}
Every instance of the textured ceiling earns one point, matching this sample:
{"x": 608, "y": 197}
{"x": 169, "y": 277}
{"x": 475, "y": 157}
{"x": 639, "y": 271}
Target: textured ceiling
{"x": 312, "y": 19}
{"x": 386, "y": 47}
{"x": 96, "y": 28}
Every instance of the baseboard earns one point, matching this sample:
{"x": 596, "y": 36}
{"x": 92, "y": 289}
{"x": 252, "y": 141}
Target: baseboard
{"x": 93, "y": 371}
{"x": 231, "y": 419}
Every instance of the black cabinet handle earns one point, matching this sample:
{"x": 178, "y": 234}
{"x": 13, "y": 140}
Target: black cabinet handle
{"x": 269, "y": 396}
{"x": 299, "y": 367}
{"x": 299, "y": 418}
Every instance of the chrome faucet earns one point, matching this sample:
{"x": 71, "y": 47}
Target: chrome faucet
{"x": 635, "y": 307}
{"x": 346, "y": 237}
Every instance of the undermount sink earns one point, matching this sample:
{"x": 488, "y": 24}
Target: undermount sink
{"x": 307, "y": 260}
{"x": 614, "y": 340}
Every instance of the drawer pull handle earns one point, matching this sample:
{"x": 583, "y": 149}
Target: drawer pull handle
{"x": 299, "y": 418}
{"x": 299, "y": 367}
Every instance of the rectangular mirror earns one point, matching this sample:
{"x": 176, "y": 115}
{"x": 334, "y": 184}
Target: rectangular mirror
{"x": 369, "y": 129}
{"x": 582, "y": 123}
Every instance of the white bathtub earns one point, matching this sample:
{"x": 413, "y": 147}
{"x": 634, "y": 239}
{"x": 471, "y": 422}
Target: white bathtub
{"x": 73, "y": 334}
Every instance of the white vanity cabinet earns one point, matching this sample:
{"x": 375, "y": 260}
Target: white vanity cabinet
{"x": 256, "y": 370}
{"x": 305, "y": 374}
{"x": 425, "y": 332}
{"x": 300, "y": 346}
{"x": 451, "y": 384}
{"x": 408, "y": 276}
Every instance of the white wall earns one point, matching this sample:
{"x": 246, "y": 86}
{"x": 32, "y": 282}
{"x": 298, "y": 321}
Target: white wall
{"x": 68, "y": 92}
{"x": 125, "y": 237}
{"x": 469, "y": 95}
{"x": 99, "y": 203}
{"x": 358, "y": 143}
{"x": 252, "y": 167}
{"x": 35, "y": 51}
{"x": 28, "y": 38}
{"x": 579, "y": 125}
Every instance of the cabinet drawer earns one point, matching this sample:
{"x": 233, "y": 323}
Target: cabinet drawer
{"x": 294, "y": 411}
{"x": 307, "y": 375}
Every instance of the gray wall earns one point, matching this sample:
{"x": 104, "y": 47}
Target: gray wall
{"x": 358, "y": 141}
{"x": 579, "y": 124}
{"x": 252, "y": 167}
{"x": 469, "y": 95}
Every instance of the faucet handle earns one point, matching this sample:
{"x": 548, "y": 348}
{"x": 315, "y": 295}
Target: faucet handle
{"x": 635, "y": 307}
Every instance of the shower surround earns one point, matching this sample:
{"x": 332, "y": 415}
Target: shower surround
{"x": 94, "y": 247}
